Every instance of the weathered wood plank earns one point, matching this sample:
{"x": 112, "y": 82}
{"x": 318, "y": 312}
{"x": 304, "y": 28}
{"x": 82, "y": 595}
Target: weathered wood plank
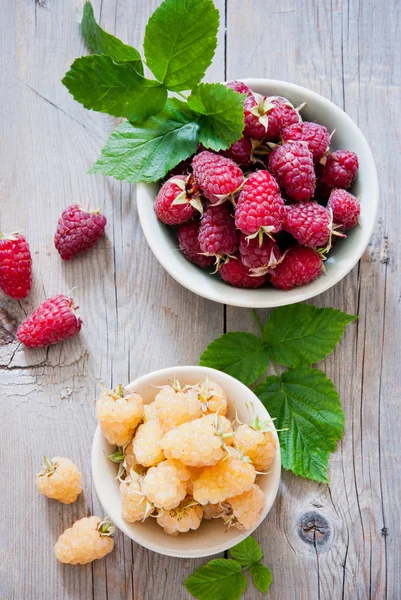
{"x": 346, "y": 52}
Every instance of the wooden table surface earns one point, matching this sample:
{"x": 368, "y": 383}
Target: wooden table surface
{"x": 138, "y": 319}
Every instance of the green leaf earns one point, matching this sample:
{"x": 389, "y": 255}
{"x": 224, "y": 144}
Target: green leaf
{"x": 223, "y": 110}
{"x": 101, "y": 42}
{"x": 146, "y": 152}
{"x": 101, "y": 84}
{"x": 301, "y": 334}
{"x": 305, "y": 403}
{"x": 261, "y": 576}
{"x": 180, "y": 41}
{"x": 242, "y": 355}
{"x": 247, "y": 552}
{"x": 220, "y": 579}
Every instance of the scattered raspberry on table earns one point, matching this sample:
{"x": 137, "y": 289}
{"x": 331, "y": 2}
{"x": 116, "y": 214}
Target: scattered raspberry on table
{"x": 15, "y": 265}
{"x": 78, "y": 231}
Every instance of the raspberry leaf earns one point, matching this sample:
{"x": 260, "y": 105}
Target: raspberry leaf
{"x": 118, "y": 89}
{"x": 223, "y": 114}
{"x": 220, "y": 579}
{"x": 99, "y": 41}
{"x": 242, "y": 355}
{"x": 301, "y": 334}
{"x": 261, "y": 577}
{"x": 180, "y": 41}
{"x": 307, "y": 409}
{"x": 145, "y": 153}
{"x": 247, "y": 552}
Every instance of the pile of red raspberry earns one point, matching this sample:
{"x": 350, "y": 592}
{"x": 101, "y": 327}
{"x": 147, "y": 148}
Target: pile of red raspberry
{"x": 266, "y": 210}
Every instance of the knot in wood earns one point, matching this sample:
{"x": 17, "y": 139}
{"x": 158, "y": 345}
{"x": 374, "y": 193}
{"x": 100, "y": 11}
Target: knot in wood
{"x": 314, "y": 528}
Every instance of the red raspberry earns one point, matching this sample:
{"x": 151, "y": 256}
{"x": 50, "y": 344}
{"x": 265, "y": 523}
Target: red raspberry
{"x": 259, "y": 259}
{"x": 15, "y": 265}
{"x": 189, "y": 245}
{"x": 177, "y": 200}
{"x": 217, "y": 176}
{"x": 240, "y": 152}
{"x": 284, "y": 114}
{"x": 260, "y": 206}
{"x": 340, "y": 169}
{"x": 309, "y": 223}
{"x": 78, "y": 230}
{"x": 266, "y": 117}
{"x": 292, "y": 166}
{"x": 345, "y": 208}
{"x": 53, "y": 321}
{"x": 299, "y": 266}
{"x": 238, "y": 86}
{"x": 217, "y": 234}
{"x": 237, "y": 274}
{"x": 316, "y": 136}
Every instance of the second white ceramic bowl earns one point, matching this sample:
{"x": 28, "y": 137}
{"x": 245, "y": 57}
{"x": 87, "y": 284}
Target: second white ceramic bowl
{"x": 212, "y": 536}
{"x": 343, "y": 257}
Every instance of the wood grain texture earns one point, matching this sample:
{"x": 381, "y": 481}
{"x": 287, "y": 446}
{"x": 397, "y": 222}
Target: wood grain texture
{"x": 138, "y": 319}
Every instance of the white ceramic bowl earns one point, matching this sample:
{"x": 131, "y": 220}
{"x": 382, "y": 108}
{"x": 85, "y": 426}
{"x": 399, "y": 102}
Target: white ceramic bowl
{"x": 343, "y": 257}
{"x": 211, "y": 537}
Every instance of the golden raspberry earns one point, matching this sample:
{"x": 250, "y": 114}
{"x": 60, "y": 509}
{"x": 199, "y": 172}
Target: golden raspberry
{"x": 246, "y": 508}
{"x": 135, "y": 506}
{"x": 166, "y": 485}
{"x": 213, "y": 511}
{"x": 186, "y": 516}
{"x": 130, "y": 462}
{"x": 60, "y": 479}
{"x": 150, "y": 412}
{"x": 119, "y": 413}
{"x": 228, "y": 478}
{"x": 175, "y": 407}
{"x": 212, "y": 396}
{"x": 87, "y": 540}
{"x": 258, "y": 444}
{"x": 146, "y": 444}
{"x": 200, "y": 442}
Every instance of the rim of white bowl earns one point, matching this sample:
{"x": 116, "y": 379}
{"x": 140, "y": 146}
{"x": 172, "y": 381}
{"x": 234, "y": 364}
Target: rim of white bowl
{"x": 265, "y": 297}
{"x": 109, "y": 508}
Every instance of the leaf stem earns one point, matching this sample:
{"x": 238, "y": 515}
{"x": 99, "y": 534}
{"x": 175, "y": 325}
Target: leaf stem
{"x": 257, "y": 321}
{"x": 182, "y": 95}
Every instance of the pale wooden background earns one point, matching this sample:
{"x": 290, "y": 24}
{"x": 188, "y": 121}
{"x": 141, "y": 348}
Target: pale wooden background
{"x": 138, "y": 319}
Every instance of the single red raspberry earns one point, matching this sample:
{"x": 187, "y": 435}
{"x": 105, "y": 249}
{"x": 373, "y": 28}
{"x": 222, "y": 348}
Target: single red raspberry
{"x": 217, "y": 176}
{"x": 217, "y": 234}
{"x": 240, "y": 152}
{"x": 237, "y": 274}
{"x": 340, "y": 169}
{"x": 78, "y": 230}
{"x": 177, "y": 200}
{"x": 265, "y": 117}
{"x": 238, "y": 86}
{"x": 292, "y": 166}
{"x": 53, "y": 321}
{"x": 15, "y": 265}
{"x": 299, "y": 266}
{"x": 345, "y": 208}
{"x": 309, "y": 223}
{"x": 283, "y": 114}
{"x": 316, "y": 136}
{"x": 259, "y": 259}
{"x": 189, "y": 244}
{"x": 260, "y": 206}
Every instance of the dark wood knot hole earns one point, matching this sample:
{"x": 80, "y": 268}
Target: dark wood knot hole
{"x": 314, "y": 529}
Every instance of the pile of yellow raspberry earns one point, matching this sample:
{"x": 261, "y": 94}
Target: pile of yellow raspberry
{"x": 182, "y": 460}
